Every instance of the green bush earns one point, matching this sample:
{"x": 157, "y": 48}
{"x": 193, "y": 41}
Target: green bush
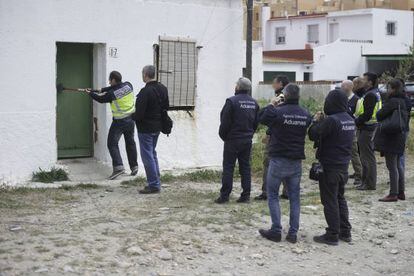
{"x": 51, "y": 176}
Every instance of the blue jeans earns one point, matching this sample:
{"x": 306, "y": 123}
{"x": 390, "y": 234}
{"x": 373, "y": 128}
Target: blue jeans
{"x": 290, "y": 171}
{"x": 147, "y": 144}
{"x": 118, "y": 128}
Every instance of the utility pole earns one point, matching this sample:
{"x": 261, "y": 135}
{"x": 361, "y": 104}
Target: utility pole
{"x": 249, "y": 39}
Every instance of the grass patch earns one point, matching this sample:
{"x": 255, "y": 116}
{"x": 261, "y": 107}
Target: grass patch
{"x": 81, "y": 186}
{"x": 51, "y": 176}
{"x": 31, "y": 198}
{"x": 201, "y": 176}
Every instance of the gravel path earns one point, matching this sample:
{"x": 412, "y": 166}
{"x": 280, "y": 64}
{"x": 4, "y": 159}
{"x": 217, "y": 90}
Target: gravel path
{"x": 111, "y": 230}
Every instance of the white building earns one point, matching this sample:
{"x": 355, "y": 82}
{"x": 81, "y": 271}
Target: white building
{"x": 335, "y": 45}
{"x": 196, "y": 43}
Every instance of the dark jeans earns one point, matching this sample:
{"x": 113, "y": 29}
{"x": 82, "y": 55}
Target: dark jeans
{"x": 118, "y": 128}
{"x": 290, "y": 171}
{"x": 396, "y": 172}
{"x": 147, "y": 145}
{"x": 332, "y": 189}
{"x": 368, "y": 160}
{"x": 236, "y": 150}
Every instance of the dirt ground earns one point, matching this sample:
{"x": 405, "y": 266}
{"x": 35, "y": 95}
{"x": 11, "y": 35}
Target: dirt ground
{"x": 111, "y": 230}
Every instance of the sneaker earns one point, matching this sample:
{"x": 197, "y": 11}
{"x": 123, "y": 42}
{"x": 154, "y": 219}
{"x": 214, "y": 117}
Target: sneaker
{"x": 261, "y": 197}
{"x": 292, "y": 238}
{"x": 149, "y": 190}
{"x": 115, "y": 174}
{"x": 134, "y": 171}
{"x": 345, "y": 238}
{"x": 271, "y": 235}
{"x": 389, "y": 198}
{"x": 221, "y": 200}
{"x": 325, "y": 239}
{"x": 243, "y": 199}
{"x": 401, "y": 196}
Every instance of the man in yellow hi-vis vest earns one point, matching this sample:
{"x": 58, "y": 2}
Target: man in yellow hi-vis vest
{"x": 121, "y": 96}
{"x": 366, "y": 122}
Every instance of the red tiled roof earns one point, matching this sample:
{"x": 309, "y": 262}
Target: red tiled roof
{"x": 313, "y": 15}
{"x": 298, "y": 56}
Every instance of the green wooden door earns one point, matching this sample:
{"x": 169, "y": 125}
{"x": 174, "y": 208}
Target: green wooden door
{"x": 74, "y": 110}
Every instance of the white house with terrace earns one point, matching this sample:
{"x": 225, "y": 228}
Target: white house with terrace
{"x": 335, "y": 45}
{"x": 196, "y": 45}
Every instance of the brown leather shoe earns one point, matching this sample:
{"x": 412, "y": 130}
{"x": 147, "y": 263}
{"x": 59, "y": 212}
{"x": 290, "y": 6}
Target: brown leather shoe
{"x": 401, "y": 196}
{"x": 389, "y": 198}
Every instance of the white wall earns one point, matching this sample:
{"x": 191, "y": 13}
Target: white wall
{"x": 356, "y": 27}
{"x": 29, "y": 30}
{"x": 296, "y": 33}
{"x": 387, "y": 44}
{"x": 337, "y": 61}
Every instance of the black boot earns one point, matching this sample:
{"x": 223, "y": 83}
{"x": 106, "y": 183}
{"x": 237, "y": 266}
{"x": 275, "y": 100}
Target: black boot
{"x": 261, "y": 197}
{"x": 345, "y": 237}
{"x": 149, "y": 190}
{"x": 292, "y": 238}
{"x": 243, "y": 199}
{"x": 221, "y": 200}
{"x": 271, "y": 235}
{"x": 326, "y": 239}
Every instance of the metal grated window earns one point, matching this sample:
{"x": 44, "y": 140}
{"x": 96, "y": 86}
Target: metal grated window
{"x": 177, "y": 67}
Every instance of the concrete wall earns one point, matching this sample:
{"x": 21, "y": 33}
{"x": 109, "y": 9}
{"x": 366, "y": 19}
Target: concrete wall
{"x": 313, "y": 90}
{"x": 29, "y": 30}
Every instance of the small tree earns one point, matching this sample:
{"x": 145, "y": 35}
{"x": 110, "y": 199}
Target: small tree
{"x": 405, "y": 69}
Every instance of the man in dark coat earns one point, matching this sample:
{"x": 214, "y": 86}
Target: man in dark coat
{"x": 334, "y": 135}
{"x": 279, "y": 83}
{"x": 150, "y": 102}
{"x": 238, "y": 123}
{"x": 288, "y": 123}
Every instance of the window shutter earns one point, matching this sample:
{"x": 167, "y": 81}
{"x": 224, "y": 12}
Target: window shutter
{"x": 177, "y": 70}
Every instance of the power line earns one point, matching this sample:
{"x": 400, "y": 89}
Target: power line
{"x": 225, "y": 29}
{"x": 208, "y": 20}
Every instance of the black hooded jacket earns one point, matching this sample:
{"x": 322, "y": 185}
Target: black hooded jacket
{"x": 335, "y": 133}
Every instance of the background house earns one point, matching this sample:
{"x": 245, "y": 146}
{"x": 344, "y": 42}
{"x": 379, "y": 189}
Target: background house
{"x": 295, "y": 7}
{"x": 335, "y": 45}
{"x": 197, "y": 45}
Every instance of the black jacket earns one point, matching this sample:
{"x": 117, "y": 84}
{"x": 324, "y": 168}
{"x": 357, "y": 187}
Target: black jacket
{"x": 352, "y": 103}
{"x": 238, "y": 118}
{"x": 360, "y": 92}
{"x": 335, "y": 133}
{"x": 151, "y": 100}
{"x": 391, "y": 143}
{"x": 371, "y": 97}
{"x": 288, "y": 123}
